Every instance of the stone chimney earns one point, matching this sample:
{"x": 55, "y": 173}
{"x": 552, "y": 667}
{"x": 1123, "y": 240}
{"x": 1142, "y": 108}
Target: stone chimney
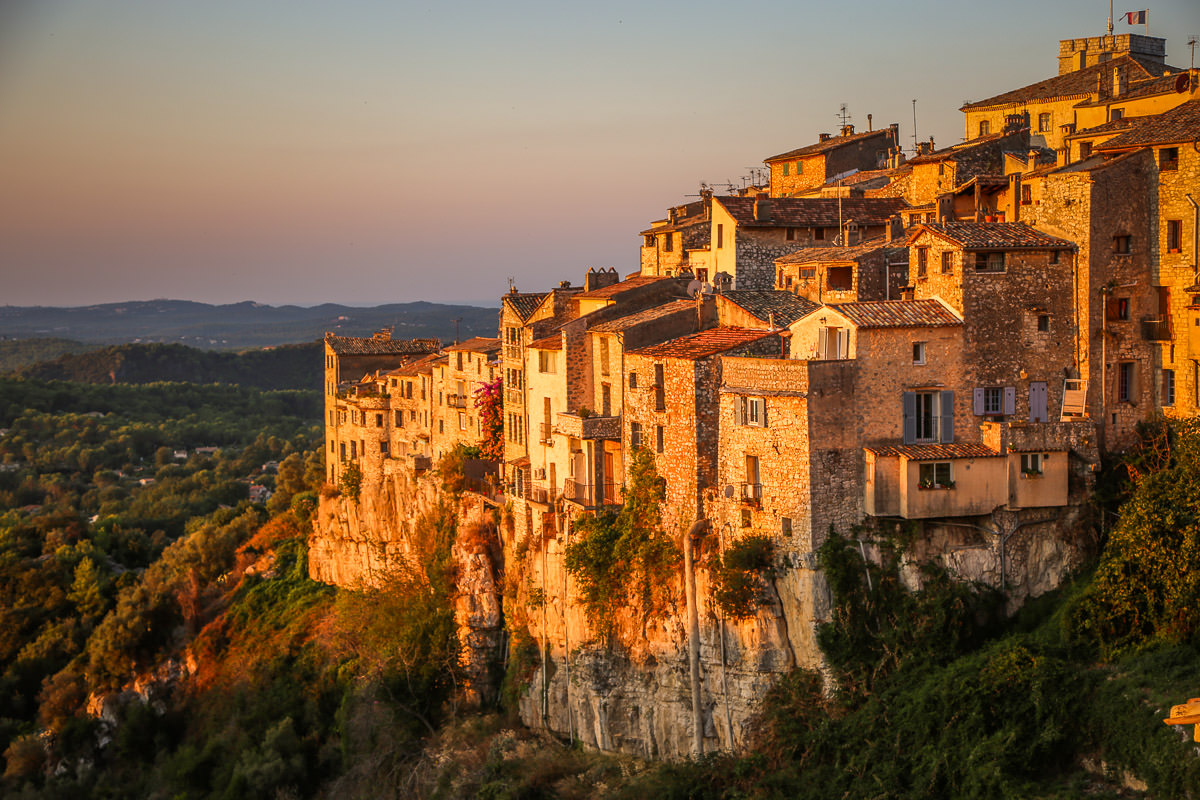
{"x": 823, "y": 137}
{"x": 1117, "y": 82}
{"x": 382, "y": 335}
{"x": 847, "y": 130}
{"x": 908, "y": 293}
{"x": 894, "y": 228}
{"x": 1033, "y": 160}
{"x": 599, "y": 278}
{"x": 762, "y": 207}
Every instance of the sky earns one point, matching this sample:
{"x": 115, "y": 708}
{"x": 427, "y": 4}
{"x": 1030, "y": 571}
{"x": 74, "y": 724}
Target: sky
{"x": 367, "y": 152}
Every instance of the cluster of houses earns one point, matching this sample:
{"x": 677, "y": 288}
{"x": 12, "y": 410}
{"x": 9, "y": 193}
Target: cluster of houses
{"x": 950, "y": 336}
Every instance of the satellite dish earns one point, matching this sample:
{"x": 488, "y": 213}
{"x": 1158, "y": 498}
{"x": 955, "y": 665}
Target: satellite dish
{"x": 1181, "y": 82}
{"x": 729, "y": 491}
{"x": 694, "y": 288}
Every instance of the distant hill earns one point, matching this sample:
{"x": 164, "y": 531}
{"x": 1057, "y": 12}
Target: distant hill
{"x": 293, "y": 366}
{"x": 239, "y": 325}
{"x": 16, "y": 353}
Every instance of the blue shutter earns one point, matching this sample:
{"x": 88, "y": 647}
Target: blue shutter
{"x": 977, "y": 406}
{"x": 910, "y": 417}
{"x": 1038, "y": 406}
{"x": 947, "y": 412}
{"x": 1010, "y": 400}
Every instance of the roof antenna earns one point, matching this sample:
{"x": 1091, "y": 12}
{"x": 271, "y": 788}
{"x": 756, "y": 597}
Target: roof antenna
{"x": 844, "y": 113}
{"x": 914, "y": 126}
{"x": 1192, "y": 44}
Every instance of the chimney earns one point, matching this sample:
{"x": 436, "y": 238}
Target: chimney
{"x": 1014, "y": 197}
{"x": 823, "y": 137}
{"x": 1116, "y": 85}
{"x": 1033, "y": 160}
{"x": 869, "y": 126}
{"x": 762, "y": 207}
{"x": 847, "y": 130}
{"x": 908, "y": 293}
{"x": 894, "y": 228}
{"x": 1061, "y": 156}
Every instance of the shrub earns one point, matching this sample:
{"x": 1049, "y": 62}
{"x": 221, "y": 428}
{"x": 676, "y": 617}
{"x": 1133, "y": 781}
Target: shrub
{"x": 741, "y": 577}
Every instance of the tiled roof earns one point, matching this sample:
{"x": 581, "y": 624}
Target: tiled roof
{"x": 784, "y": 306}
{"x": 993, "y": 236}
{"x": 479, "y": 344}
{"x": 954, "y": 151}
{"x": 985, "y": 182}
{"x": 898, "y": 314}
{"x": 934, "y": 452}
{"x": 683, "y": 224}
{"x": 811, "y": 255}
{"x": 1180, "y": 124}
{"x": 421, "y": 365}
{"x": 1079, "y": 82}
{"x": 1163, "y": 84}
{"x": 621, "y": 286}
{"x": 832, "y": 143}
{"x": 646, "y": 315}
{"x": 1113, "y": 125}
{"x": 524, "y": 304}
{"x": 552, "y": 342}
{"x": 810, "y": 212}
{"x": 704, "y": 344}
{"x": 370, "y": 345}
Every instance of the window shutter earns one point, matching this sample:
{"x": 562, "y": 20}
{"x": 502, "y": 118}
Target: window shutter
{"x": 910, "y": 417}
{"x": 977, "y": 406}
{"x": 738, "y": 413}
{"x": 822, "y": 342}
{"x": 947, "y": 412}
{"x": 763, "y": 413}
{"x": 1010, "y": 400}
{"x": 844, "y": 343}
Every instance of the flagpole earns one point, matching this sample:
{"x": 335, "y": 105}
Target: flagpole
{"x": 1110, "y": 17}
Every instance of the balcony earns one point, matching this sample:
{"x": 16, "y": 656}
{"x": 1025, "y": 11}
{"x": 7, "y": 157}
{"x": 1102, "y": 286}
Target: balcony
{"x": 592, "y": 495}
{"x": 589, "y": 427}
{"x": 533, "y": 491}
{"x": 1156, "y": 329}
{"x": 751, "y": 494}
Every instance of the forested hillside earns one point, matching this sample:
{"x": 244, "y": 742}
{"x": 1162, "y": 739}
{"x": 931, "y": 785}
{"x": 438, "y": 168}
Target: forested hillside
{"x": 159, "y": 637}
{"x": 285, "y": 367}
{"x": 16, "y": 353}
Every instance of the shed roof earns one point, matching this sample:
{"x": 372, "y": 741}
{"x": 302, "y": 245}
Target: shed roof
{"x": 478, "y": 344}
{"x": 929, "y": 313}
{"x": 645, "y": 315}
{"x": 1180, "y": 124}
{"x": 705, "y": 343}
{"x": 615, "y": 289}
{"x": 934, "y": 452}
{"x": 785, "y": 307}
{"x": 811, "y": 255}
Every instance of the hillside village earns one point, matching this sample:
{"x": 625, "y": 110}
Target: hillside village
{"x": 944, "y": 342}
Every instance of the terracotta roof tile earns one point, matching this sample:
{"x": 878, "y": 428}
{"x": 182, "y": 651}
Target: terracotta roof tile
{"x": 934, "y": 452}
{"x": 1163, "y": 84}
{"x": 810, "y": 255}
{"x": 421, "y": 365}
{"x": 622, "y": 286}
{"x": 370, "y": 345}
{"x": 1180, "y": 124}
{"x": 898, "y": 314}
{"x": 993, "y": 236}
{"x": 832, "y": 143}
{"x": 704, "y": 344}
{"x": 523, "y": 305}
{"x": 479, "y": 344}
{"x": 785, "y": 307}
{"x": 1079, "y": 82}
{"x": 646, "y": 315}
{"x": 809, "y": 212}
{"x": 552, "y": 342}
{"x": 957, "y": 150}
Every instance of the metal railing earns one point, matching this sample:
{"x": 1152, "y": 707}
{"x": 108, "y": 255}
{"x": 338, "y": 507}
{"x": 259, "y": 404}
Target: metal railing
{"x": 591, "y": 495}
{"x": 456, "y": 400}
{"x": 752, "y": 493}
{"x": 1155, "y": 329}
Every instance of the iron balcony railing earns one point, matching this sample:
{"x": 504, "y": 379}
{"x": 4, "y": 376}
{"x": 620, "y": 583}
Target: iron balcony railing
{"x": 591, "y": 495}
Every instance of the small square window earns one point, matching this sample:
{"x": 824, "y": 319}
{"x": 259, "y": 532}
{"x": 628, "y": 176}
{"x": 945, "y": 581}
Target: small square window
{"x": 1043, "y": 323}
{"x": 785, "y": 526}
{"x": 947, "y": 262}
{"x": 1168, "y": 159}
{"x": 633, "y": 380}
{"x": 1045, "y": 120}
{"x": 1031, "y": 464}
{"x": 989, "y": 262}
{"x": 659, "y": 437}
{"x": 918, "y": 352}
{"x": 936, "y": 473}
{"x": 1123, "y": 245}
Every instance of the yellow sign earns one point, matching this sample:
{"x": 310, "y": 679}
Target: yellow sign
{"x": 1186, "y": 714}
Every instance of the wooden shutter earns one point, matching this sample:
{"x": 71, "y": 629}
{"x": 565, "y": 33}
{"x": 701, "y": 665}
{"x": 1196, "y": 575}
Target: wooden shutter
{"x": 1010, "y": 400}
{"x": 947, "y": 412}
{"x": 844, "y": 343}
{"x": 822, "y": 343}
{"x": 763, "y": 413}
{"x": 910, "y": 417}
{"x": 739, "y": 413}
{"x": 1039, "y": 410}
{"x": 977, "y": 405}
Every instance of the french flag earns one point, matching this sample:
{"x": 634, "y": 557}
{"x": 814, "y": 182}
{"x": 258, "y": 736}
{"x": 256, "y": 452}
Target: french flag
{"x": 1136, "y": 17}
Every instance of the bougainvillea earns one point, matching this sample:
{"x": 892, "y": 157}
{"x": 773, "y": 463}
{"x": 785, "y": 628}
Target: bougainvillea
{"x": 489, "y": 401}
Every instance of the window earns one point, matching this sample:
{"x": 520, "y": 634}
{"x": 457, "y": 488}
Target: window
{"x": 928, "y": 417}
{"x": 790, "y": 234}
{"x": 753, "y": 487}
{"x": 459, "y": 364}
{"x": 606, "y": 400}
{"x": 1031, "y": 464}
{"x": 702, "y": 275}
{"x": 354, "y": 449}
{"x": 399, "y": 418}
{"x": 922, "y": 261}
{"x": 546, "y": 359}
{"x": 1026, "y": 194}
{"x": 343, "y": 453}
{"x": 1168, "y": 159}
{"x": 1174, "y": 235}
{"x": 383, "y": 447}
{"x": 1115, "y": 114}
{"x": 1117, "y": 309}
{"x": 750, "y": 411}
{"x": 985, "y": 128}
{"x": 941, "y": 169}
{"x": 668, "y": 242}
{"x": 633, "y": 380}
{"x": 659, "y": 436}
{"x": 818, "y": 234}
{"x": 1085, "y": 149}
{"x": 840, "y": 279}
{"x": 1043, "y": 323}
{"x": 787, "y": 168}
{"x": 379, "y": 420}
{"x": 635, "y": 435}
{"x": 1045, "y": 122}
{"x": 785, "y": 526}
{"x": 935, "y": 473}
{"x": 1168, "y": 387}
{"x": 462, "y": 421}
{"x": 648, "y": 241}
{"x": 1123, "y": 245}
{"x": 799, "y": 167}
{"x": 1055, "y": 255}
{"x": 720, "y": 235}
{"x": 808, "y": 272}
{"x": 993, "y": 401}
{"x": 947, "y": 262}
{"x": 603, "y": 355}
{"x": 1126, "y": 388}
{"x": 918, "y": 352}
{"x": 660, "y": 393}
{"x": 989, "y": 262}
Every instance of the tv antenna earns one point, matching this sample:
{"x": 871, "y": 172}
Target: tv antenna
{"x": 914, "y": 126}
{"x": 512, "y": 284}
{"x": 456, "y": 321}
{"x": 1191, "y": 43}
{"x": 844, "y": 113}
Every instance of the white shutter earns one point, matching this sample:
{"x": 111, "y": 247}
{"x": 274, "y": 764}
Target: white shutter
{"x": 844, "y": 343}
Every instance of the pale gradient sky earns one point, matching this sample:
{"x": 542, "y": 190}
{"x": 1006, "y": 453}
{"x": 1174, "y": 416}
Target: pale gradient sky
{"x": 368, "y": 152}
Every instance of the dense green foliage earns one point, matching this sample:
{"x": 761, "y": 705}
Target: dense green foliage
{"x": 16, "y": 353}
{"x": 624, "y": 559}
{"x": 741, "y": 575}
{"x": 284, "y": 367}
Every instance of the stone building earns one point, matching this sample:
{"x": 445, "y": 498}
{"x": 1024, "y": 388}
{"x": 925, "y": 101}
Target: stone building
{"x": 669, "y": 245}
{"x": 456, "y": 377}
{"x": 815, "y": 165}
{"x": 873, "y": 270}
{"x": 748, "y": 234}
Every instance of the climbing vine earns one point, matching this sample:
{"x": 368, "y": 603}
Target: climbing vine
{"x": 489, "y": 402}
{"x": 741, "y": 577}
{"x": 350, "y": 484}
